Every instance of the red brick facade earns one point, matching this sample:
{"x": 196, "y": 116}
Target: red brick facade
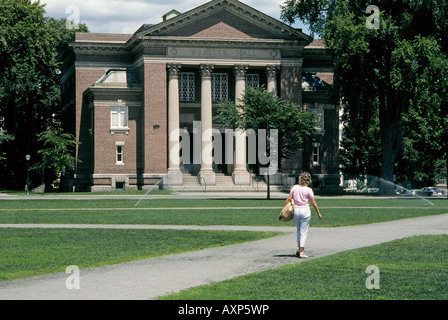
{"x": 117, "y": 101}
{"x": 155, "y": 117}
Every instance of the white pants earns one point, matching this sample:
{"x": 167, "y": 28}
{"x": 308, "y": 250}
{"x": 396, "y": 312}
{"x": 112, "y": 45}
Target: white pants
{"x": 302, "y": 217}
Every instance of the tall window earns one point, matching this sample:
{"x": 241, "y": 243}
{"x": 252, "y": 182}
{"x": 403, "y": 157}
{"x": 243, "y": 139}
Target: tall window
{"x": 220, "y": 87}
{"x": 316, "y": 153}
{"x": 119, "y": 117}
{"x": 186, "y": 86}
{"x": 119, "y": 154}
{"x": 319, "y": 119}
{"x": 252, "y": 80}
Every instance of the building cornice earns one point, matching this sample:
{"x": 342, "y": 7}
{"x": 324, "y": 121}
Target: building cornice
{"x": 194, "y": 42}
{"x": 101, "y": 48}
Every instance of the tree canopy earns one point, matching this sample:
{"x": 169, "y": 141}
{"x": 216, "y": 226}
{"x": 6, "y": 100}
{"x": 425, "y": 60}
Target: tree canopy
{"x": 57, "y": 153}
{"x": 383, "y": 75}
{"x": 260, "y": 109}
{"x": 29, "y": 80}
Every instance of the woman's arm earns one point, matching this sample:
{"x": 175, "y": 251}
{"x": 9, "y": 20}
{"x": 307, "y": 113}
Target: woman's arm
{"x": 314, "y": 204}
{"x": 288, "y": 199}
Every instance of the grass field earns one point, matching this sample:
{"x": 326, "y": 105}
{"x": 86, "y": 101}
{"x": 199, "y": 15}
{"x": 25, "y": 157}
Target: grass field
{"x": 412, "y": 268}
{"x": 26, "y": 252}
{"x": 336, "y": 212}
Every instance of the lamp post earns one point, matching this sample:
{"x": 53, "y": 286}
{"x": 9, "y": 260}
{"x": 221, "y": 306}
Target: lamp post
{"x": 27, "y": 157}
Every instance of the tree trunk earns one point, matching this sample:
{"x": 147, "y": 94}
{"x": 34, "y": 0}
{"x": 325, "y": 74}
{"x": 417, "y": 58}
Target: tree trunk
{"x": 446, "y": 178}
{"x": 388, "y": 160}
{"x": 444, "y": 116}
{"x": 392, "y": 106}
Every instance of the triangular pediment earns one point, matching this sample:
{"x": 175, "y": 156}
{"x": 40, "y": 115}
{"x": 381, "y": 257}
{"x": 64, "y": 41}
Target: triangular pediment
{"x": 224, "y": 19}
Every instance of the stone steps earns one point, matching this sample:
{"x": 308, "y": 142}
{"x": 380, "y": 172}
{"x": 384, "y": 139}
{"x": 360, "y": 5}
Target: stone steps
{"x": 224, "y": 183}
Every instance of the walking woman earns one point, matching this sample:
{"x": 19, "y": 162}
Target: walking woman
{"x": 302, "y": 195}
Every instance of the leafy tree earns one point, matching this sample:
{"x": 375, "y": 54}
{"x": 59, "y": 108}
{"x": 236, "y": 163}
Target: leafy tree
{"x": 29, "y": 79}
{"x": 360, "y": 159}
{"x": 64, "y": 34}
{"x": 425, "y": 129}
{"x": 4, "y": 137}
{"x": 370, "y": 77}
{"x": 57, "y": 154}
{"x": 260, "y": 109}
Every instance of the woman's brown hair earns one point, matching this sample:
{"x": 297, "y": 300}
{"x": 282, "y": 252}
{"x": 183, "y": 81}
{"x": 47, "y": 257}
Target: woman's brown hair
{"x": 305, "y": 179}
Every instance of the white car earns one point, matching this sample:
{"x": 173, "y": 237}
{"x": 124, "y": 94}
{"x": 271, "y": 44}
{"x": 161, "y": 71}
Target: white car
{"x": 431, "y": 191}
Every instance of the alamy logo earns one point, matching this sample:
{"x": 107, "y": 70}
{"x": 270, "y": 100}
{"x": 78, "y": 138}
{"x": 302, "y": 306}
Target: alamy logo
{"x": 373, "y": 21}
{"x": 373, "y": 280}
{"x": 72, "y": 21}
{"x": 256, "y": 148}
{"x": 72, "y": 282}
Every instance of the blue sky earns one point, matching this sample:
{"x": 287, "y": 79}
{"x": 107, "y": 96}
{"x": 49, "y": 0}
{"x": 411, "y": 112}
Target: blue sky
{"x": 126, "y": 16}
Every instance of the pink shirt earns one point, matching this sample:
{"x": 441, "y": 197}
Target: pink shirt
{"x": 301, "y": 195}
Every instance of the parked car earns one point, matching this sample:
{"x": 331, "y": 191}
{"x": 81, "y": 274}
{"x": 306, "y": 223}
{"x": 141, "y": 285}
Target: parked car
{"x": 370, "y": 190}
{"x": 431, "y": 191}
{"x": 413, "y": 192}
{"x": 419, "y": 192}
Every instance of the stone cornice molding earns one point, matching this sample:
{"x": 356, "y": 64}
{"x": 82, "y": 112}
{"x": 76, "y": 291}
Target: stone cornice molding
{"x": 98, "y": 48}
{"x": 103, "y": 95}
{"x": 161, "y": 42}
{"x": 197, "y": 41}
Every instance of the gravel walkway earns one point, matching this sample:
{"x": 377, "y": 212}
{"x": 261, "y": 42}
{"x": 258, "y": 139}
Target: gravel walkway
{"x": 150, "y": 278}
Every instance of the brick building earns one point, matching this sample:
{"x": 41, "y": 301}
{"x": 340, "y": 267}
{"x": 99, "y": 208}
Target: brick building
{"x": 129, "y": 97}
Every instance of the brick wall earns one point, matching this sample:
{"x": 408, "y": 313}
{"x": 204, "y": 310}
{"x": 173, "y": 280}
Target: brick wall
{"x": 291, "y": 83}
{"x": 105, "y": 143}
{"x": 84, "y": 78}
{"x": 155, "y": 118}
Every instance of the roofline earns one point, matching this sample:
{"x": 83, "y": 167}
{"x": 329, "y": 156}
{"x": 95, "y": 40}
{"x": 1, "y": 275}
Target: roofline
{"x": 206, "y": 6}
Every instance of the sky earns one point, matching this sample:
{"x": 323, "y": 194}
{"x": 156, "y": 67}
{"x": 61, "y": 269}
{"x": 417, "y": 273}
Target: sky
{"x": 126, "y": 16}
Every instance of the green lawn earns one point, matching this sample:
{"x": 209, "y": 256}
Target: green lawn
{"x": 174, "y": 202}
{"x": 344, "y": 212}
{"x": 25, "y": 252}
{"x": 411, "y": 268}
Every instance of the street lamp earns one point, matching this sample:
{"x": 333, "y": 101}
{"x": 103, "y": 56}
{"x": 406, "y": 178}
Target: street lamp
{"x": 27, "y": 157}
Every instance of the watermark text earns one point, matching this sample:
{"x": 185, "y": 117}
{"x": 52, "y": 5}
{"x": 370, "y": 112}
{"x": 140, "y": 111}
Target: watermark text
{"x": 373, "y": 280}
{"x": 373, "y": 20}
{"x": 73, "y": 281}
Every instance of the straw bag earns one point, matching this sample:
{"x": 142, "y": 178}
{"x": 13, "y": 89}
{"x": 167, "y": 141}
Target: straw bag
{"x": 287, "y": 211}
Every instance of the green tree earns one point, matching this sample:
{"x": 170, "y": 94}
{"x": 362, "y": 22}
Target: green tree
{"x": 360, "y": 159}
{"x": 260, "y": 109}
{"x": 4, "y": 137}
{"x": 425, "y": 125}
{"x": 57, "y": 154}
{"x": 366, "y": 60}
{"x": 29, "y": 79}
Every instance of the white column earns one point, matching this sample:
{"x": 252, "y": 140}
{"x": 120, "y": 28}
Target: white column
{"x": 206, "y": 174}
{"x": 240, "y": 174}
{"x": 174, "y": 173}
{"x": 271, "y": 73}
